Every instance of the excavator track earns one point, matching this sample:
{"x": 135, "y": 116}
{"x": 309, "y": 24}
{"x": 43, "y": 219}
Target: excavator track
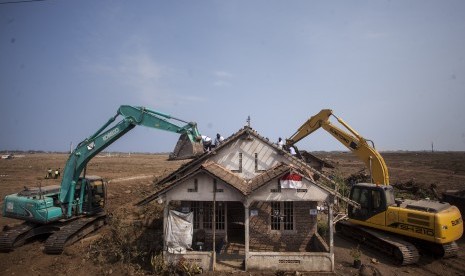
{"x": 403, "y": 252}
{"x": 73, "y": 232}
{"x": 445, "y": 251}
{"x": 450, "y": 250}
{"x": 14, "y": 236}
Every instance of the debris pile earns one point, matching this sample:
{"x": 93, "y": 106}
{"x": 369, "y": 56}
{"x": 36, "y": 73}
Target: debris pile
{"x": 359, "y": 177}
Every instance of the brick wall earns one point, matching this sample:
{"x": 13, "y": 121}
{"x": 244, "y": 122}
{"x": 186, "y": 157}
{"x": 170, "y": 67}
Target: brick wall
{"x": 262, "y": 238}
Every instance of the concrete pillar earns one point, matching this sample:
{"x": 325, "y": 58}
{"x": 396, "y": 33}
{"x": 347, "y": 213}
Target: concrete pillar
{"x": 246, "y": 238}
{"x": 331, "y": 230}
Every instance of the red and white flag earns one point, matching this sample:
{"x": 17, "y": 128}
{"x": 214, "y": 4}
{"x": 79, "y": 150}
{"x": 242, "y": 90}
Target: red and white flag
{"x": 291, "y": 181}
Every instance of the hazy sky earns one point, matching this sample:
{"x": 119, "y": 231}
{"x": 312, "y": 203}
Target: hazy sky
{"x": 394, "y": 70}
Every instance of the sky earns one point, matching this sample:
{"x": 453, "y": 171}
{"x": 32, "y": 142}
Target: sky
{"x": 393, "y": 70}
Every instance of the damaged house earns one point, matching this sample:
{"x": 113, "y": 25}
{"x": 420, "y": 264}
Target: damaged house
{"x": 248, "y": 201}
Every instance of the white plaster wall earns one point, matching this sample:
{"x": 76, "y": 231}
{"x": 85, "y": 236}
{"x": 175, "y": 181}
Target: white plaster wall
{"x": 314, "y": 193}
{"x": 228, "y": 157}
{"x": 204, "y": 190}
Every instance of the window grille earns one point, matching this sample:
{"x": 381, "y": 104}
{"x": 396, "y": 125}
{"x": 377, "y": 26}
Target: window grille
{"x": 275, "y": 215}
{"x": 195, "y": 209}
{"x": 207, "y": 215}
{"x": 288, "y": 219}
{"x": 220, "y": 216}
{"x": 282, "y": 215}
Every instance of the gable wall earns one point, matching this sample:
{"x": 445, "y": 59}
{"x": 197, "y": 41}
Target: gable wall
{"x": 228, "y": 157}
{"x": 204, "y": 190}
{"x": 312, "y": 193}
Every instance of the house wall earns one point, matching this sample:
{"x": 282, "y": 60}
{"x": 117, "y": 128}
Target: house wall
{"x": 267, "y": 157}
{"x": 204, "y": 190}
{"x": 262, "y": 238}
{"x": 309, "y": 192}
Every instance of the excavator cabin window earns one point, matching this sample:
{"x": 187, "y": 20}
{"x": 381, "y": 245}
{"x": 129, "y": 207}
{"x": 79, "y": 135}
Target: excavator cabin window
{"x": 371, "y": 202}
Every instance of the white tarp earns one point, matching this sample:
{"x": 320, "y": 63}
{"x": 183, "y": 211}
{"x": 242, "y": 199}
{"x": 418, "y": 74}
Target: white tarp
{"x": 179, "y": 231}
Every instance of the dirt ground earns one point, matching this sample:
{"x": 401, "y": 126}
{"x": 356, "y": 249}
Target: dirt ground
{"x": 131, "y": 178}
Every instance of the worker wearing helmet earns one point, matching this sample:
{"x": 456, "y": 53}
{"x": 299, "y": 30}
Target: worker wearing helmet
{"x": 207, "y": 143}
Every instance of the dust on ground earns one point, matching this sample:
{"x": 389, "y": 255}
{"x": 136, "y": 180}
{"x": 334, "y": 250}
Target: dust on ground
{"x": 131, "y": 179}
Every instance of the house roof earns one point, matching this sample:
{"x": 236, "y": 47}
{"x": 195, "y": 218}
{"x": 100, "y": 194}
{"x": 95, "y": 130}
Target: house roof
{"x": 244, "y": 186}
{"x": 227, "y": 176}
{"x": 307, "y": 155}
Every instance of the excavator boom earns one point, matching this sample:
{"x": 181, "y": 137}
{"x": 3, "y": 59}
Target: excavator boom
{"x": 353, "y": 141}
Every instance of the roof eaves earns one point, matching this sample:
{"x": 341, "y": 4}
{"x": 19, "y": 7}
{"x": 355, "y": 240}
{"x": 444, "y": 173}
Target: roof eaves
{"x": 226, "y": 176}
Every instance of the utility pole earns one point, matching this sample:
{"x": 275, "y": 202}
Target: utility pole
{"x": 432, "y": 147}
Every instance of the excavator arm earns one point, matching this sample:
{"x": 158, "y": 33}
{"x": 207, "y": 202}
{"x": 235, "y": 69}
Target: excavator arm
{"x": 353, "y": 141}
{"x": 132, "y": 116}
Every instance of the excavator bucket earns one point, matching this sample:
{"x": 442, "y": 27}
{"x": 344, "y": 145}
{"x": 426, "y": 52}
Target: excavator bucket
{"x": 186, "y": 149}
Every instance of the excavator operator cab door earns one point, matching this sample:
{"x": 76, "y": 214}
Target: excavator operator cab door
{"x": 95, "y": 197}
{"x": 372, "y": 200}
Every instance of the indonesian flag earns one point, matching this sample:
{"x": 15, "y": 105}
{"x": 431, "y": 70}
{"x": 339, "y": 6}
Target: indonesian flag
{"x": 291, "y": 181}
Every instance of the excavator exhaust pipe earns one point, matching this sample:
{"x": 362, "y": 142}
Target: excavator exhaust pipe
{"x": 186, "y": 149}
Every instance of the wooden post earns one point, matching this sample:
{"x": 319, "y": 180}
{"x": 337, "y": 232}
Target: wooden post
{"x": 246, "y": 238}
{"x": 214, "y": 225}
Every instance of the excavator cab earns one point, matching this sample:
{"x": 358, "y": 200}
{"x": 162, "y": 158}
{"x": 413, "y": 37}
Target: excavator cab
{"x": 95, "y": 194}
{"x": 373, "y": 199}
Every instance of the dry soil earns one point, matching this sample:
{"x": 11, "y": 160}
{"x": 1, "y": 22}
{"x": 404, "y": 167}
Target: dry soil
{"x": 131, "y": 179}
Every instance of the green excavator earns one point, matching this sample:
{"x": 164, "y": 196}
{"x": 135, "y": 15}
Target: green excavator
{"x": 69, "y": 211}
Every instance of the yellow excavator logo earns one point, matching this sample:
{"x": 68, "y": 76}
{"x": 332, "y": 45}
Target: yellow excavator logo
{"x": 456, "y": 222}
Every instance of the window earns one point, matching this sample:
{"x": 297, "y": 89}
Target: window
{"x": 203, "y": 215}
{"x": 282, "y": 215}
{"x": 376, "y": 197}
{"x": 364, "y": 198}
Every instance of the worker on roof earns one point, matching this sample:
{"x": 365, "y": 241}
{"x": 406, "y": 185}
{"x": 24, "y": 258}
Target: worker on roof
{"x": 207, "y": 143}
{"x": 218, "y": 140}
{"x": 280, "y": 143}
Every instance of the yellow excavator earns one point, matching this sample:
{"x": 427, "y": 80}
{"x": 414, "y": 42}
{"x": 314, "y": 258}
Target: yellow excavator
{"x": 394, "y": 226}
